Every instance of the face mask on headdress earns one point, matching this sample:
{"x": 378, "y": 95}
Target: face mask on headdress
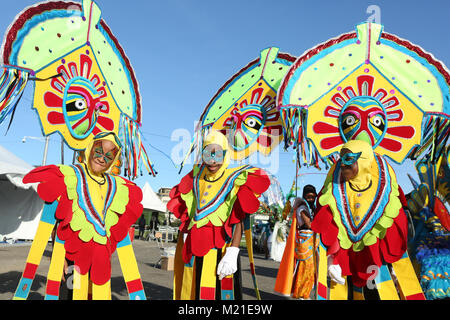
{"x": 362, "y": 153}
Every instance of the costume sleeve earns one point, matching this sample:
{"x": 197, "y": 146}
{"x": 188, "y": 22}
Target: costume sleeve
{"x": 51, "y": 182}
{"x": 133, "y": 210}
{"x": 248, "y": 194}
{"x": 176, "y": 204}
{"x": 324, "y": 225}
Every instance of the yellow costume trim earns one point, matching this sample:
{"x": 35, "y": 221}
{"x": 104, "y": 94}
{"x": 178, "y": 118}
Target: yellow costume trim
{"x": 178, "y": 269}
{"x": 188, "y": 284}
{"x": 79, "y": 221}
{"x": 322, "y": 284}
{"x": 222, "y": 213}
{"x": 97, "y": 194}
{"x": 43, "y": 232}
{"x": 56, "y": 268}
{"x": 339, "y": 291}
{"x": 101, "y": 292}
{"x": 407, "y": 279}
{"x": 208, "y": 277}
{"x": 80, "y": 285}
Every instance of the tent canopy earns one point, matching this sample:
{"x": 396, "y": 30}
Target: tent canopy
{"x": 20, "y": 205}
{"x": 14, "y": 168}
{"x": 150, "y": 200}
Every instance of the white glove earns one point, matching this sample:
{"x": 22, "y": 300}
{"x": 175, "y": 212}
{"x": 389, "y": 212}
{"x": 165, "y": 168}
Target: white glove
{"x": 335, "y": 272}
{"x": 228, "y": 264}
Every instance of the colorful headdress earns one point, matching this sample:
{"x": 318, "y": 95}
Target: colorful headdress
{"x": 368, "y": 85}
{"x": 84, "y": 84}
{"x": 244, "y": 107}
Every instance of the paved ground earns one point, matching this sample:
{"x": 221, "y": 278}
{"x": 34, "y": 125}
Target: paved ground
{"x": 157, "y": 282}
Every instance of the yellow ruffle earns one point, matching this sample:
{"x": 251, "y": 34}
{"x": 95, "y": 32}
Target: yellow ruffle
{"x": 79, "y": 221}
{"x": 222, "y": 213}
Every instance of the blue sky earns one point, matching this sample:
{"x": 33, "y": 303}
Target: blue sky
{"x": 183, "y": 52}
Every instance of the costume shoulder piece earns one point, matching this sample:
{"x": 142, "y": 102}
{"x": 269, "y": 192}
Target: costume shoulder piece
{"x": 208, "y": 213}
{"x": 202, "y": 201}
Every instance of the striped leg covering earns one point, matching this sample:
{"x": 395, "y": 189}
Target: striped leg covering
{"x": 130, "y": 270}
{"x": 43, "y": 233}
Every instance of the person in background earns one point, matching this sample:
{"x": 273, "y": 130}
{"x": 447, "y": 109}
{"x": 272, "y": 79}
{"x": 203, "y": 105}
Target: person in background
{"x": 310, "y": 195}
{"x": 296, "y": 273}
{"x": 141, "y": 223}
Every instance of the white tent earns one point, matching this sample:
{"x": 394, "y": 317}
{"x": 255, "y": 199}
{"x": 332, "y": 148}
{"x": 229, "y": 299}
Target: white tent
{"x": 20, "y": 206}
{"x": 150, "y": 200}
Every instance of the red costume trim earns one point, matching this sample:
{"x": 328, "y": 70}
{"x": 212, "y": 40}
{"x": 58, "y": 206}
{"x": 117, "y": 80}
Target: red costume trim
{"x": 26, "y": 15}
{"x": 389, "y": 249}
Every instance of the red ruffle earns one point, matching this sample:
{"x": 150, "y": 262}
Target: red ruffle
{"x": 402, "y": 198}
{"x": 51, "y": 182}
{"x": 87, "y": 256}
{"x": 323, "y": 223}
{"x": 176, "y": 205}
{"x": 387, "y": 250}
{"x": 200, "y": 240}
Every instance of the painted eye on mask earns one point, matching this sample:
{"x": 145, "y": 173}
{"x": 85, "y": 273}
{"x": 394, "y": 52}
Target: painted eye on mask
{"x": 349, "y": 120}
{"x": 77, "y": 105}
{"x": 378, "y": 122}
{"x": 253, "y": 122}
{"x": 80, "y": 104}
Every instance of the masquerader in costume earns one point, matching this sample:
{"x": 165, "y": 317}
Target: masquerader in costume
{"x": 430, "y": 244}
{"x": 296, "y": 273}
{"x": 94, "y": 210}
{"x": 212, "y": 202}
{"x": 363, "y": 229}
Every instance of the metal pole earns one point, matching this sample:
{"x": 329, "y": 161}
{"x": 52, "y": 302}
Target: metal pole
{"x": 167, "y": 228}
{"x": 296, "y": 172}
{"x": 62, "y": 150}
{"x": 44, "y": 160}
